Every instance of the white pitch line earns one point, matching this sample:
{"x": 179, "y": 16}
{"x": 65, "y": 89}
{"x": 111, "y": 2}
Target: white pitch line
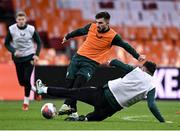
{"x": 136, "y": 118}
{"x": 139, "y": 118}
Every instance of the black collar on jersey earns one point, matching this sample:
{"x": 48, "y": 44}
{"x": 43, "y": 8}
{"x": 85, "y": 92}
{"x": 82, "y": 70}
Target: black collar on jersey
{"x": 23, "y": 27}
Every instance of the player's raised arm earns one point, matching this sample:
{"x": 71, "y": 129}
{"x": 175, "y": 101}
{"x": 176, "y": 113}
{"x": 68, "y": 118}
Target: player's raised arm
{"x": 152, "y": 105}
{"x": 119, "y": 42}
{"x": 77, "y": 32}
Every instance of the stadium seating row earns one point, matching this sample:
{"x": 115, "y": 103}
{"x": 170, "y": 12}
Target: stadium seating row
{"x": 53, "y": 21}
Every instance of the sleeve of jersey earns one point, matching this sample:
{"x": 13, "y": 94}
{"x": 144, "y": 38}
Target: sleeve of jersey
{"x": 125, "y": 67}
{"x": 119, "y": 42}
{"x": 38, "y": 42}
{"x": 8, "y": 41}
{"x": 152, "y": 105}
{"x": 78, "y": 32}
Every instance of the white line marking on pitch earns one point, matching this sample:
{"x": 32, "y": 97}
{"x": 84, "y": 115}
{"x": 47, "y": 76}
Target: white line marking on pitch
{"x": 135, "y": 118}
{"x": 139, "y": 118}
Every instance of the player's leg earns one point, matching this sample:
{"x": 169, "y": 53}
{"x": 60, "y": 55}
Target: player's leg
{"x": 65, "y": 108}
{"x": 84, "y": 73}
{"x": 100, "y": 114}
{"x": 20, "y": 74}
{"x": 79, "y": 82}
{"x": 69, "y": 84}
{"x": 28, "y": 68}
{"x": 70, "y": 78}
{"x": 102, "y": 108}
{"x": 90, "y": 95}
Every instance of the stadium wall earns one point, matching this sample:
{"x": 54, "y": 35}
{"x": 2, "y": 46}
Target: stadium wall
{"x": 9, "y": 86}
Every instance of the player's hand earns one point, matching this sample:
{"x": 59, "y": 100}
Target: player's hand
{"x": 108, "y": 62}
{"x": 64, "y": 40}
{"x": 17, "y": 54}
{"x": 141, "y": 58}
{"x": 35, "y": 59}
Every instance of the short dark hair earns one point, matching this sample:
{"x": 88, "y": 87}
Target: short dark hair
{"x": 104, "y": 15}
{"x": 20, "y": 13}
{"x": 151, "y": 67}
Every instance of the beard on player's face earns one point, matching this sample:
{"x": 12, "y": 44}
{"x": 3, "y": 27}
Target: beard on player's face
{"x": 101, "y": 29}
{"x": 102, "y": 25}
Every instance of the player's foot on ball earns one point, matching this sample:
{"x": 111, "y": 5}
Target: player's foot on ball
{"x": 66, "y": 110}
{"x": 25, "y": 107}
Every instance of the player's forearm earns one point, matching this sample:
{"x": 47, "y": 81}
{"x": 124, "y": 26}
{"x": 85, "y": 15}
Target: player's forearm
{"x": 125, "y": 67}
{"x": 119, "y": 42}
{"x": 38, "y": 42}
{"x": 78, "y": 32}
{"x": 7, "y": 43}
{"x": 152, "y": 106}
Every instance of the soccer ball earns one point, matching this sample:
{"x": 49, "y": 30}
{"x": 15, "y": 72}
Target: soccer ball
{"x": 48, "y": 111}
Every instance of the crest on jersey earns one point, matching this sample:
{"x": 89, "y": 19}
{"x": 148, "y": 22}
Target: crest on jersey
{"x": 22, "y": 34}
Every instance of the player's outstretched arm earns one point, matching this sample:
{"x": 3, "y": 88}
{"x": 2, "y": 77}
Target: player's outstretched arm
{"x": 124, "y": 67}
{"x": 119, "y": 42}
{"x": 152, "y": 105}
{"x": 77, "y": 32}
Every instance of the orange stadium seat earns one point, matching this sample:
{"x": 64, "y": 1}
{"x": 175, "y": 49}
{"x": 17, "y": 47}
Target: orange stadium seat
{"x": 55, "y": 43}
{"x": 20, "y": 4}
{"x": 41, "y": 24}
{"x": 54, "y": 22}
{"x": 5, "y": 55}
{"x": 2, "y": 40}
{"x": 143, "y": 33}
{"x": 61, "y": 59}
{"x": 119, "y": 30}
{"x": 42, "y": 3}
{"x": 57, "y": 12}
{"x": 130, "y": 33}
{"x": 173, "y": 33}
{"x": 178, "y": 42}
{"x": 55, "y": 27}
{"x": 76, "y": 14}
{"x": 157, "y": 33}
{"x": 3, "y": 29}
{"x": 84, "y": 22}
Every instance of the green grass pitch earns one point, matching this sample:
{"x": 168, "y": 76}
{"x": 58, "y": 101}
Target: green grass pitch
{"x": 137, "y": 117}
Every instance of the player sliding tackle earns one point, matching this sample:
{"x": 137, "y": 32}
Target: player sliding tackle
{"x": 115, "y": 95}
